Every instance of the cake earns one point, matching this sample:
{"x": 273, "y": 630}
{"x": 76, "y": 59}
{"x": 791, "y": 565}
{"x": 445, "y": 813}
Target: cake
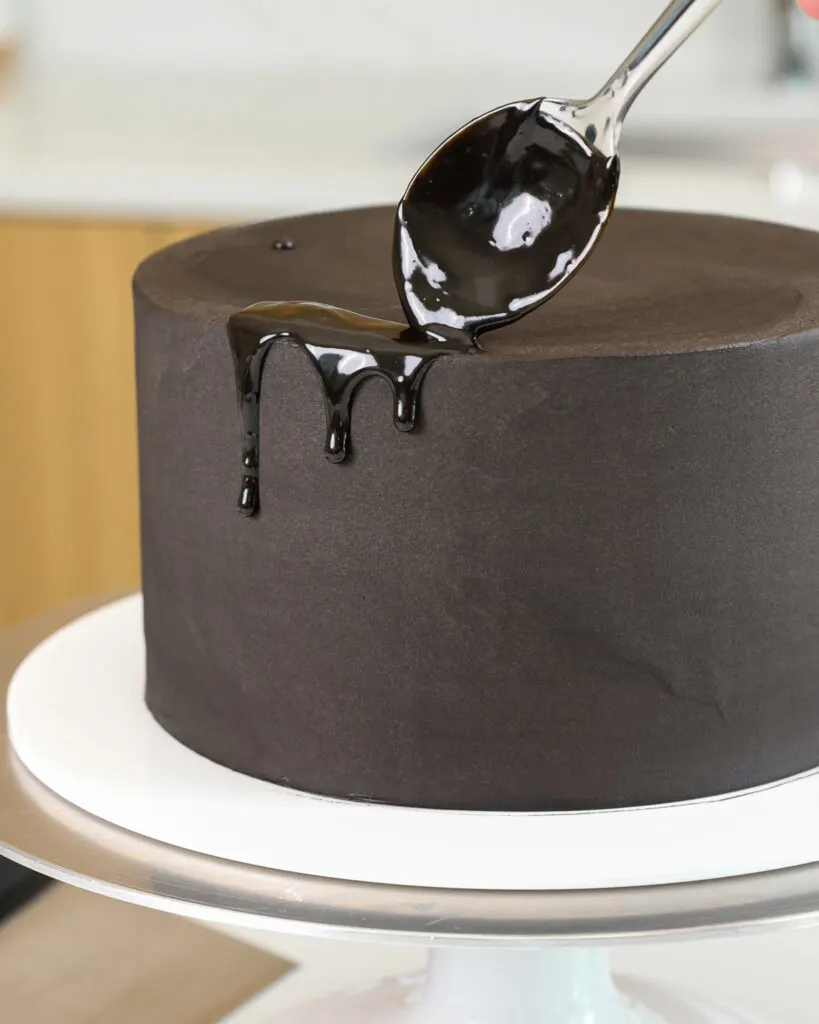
{"x": 588, "y": 578}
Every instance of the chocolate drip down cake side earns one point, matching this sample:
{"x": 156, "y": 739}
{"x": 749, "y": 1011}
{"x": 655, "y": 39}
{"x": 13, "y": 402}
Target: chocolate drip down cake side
{"x": 588, "y": 578}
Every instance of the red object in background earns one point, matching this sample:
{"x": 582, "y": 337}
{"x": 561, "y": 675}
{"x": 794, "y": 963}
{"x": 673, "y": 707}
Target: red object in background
{"x": 810, "y": 7}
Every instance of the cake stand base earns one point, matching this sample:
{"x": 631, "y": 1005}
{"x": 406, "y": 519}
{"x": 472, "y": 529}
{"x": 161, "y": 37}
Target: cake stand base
{"x": 506, "y": 986}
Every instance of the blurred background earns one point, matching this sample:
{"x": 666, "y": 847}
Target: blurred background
{"x": 126, "y": 125}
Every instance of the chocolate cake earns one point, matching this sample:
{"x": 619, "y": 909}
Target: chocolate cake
{"x": 588, "y": 578}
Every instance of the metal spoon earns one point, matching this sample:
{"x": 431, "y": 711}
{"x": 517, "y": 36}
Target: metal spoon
{"x": 508, "y": 208}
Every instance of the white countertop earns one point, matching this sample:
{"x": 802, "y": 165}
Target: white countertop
{"x": 256, "y": 146}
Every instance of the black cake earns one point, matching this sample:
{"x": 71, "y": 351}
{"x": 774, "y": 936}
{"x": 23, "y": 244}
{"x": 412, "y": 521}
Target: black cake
{"x": 588, "y": 578}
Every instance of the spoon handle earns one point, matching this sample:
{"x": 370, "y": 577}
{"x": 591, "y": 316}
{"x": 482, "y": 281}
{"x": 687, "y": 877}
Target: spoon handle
{"x": 662, "y": 40}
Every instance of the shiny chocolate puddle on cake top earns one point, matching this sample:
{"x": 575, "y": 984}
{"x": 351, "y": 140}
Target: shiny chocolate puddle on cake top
{"x": 485, "y": 233}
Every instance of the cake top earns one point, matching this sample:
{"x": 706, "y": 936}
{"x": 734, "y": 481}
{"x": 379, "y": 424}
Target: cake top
{"x": 657, "y": 283}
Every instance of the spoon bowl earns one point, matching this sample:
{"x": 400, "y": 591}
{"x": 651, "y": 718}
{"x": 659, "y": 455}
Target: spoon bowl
{"x": 508, "y": 209}
{"x": 498, "y": 219}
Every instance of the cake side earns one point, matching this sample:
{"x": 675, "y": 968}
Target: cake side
{"x": 584, "y": 581}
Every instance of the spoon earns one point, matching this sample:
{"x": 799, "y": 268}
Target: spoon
{"x": 508, "y": 208}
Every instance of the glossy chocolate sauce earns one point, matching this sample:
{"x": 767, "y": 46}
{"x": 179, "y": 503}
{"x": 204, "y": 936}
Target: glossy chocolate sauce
{"x": 345, "y": 349}
{"x": 490, "y": 227}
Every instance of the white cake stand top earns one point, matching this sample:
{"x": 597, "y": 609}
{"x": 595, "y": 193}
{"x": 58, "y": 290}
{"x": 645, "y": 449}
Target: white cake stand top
{"x": 47, "y": 833}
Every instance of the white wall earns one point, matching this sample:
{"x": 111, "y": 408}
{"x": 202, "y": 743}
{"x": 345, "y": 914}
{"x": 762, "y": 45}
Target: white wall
{"x": 570, "y": 44}
{"x": 7, "y": 19}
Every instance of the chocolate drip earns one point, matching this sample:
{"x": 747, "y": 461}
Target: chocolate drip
{"x": 345, "y": 348}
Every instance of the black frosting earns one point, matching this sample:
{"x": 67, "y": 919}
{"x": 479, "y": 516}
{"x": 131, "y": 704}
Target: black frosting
{"x": 590, "y": 578}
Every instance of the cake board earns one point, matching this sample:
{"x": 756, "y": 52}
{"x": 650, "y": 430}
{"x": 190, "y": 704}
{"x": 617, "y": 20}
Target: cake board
{"x": 505, "y": 952}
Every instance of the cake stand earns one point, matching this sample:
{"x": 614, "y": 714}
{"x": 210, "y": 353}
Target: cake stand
{"x": 509, "y": 953}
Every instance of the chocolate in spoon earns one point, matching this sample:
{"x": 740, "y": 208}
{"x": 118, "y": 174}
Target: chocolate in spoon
{"x": 508, "y": 208}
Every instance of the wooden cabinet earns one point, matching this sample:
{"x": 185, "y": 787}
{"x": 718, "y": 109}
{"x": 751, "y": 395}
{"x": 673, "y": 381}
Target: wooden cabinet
{"x": 68, "y": 466}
